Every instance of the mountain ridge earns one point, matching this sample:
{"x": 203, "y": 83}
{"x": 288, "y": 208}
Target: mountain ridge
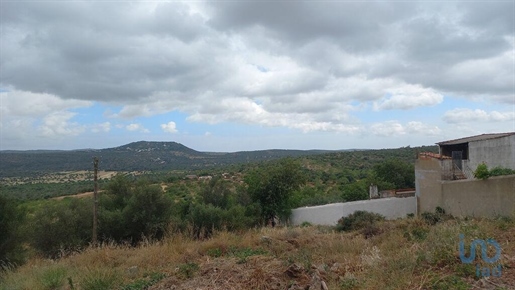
{"x": 134, "y": 156}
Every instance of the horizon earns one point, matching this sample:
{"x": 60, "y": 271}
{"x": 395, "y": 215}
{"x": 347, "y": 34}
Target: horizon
{"x": 122, "y": 145}
{"x": 245, "y": 76}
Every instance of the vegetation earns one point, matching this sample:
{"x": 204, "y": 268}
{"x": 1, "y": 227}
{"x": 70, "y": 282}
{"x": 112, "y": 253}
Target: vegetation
{"x": 34, "y": 191}
{"x": 407, "y": 254}
{"x": 395, "y": 173}
{"x": 136, "y": 209}
{"x": 11, "y": 218}
{"x": 482, "y": 171}
{"x": 272, "y": 187}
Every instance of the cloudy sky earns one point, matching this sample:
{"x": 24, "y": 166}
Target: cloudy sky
{"x": 246, "y": 75}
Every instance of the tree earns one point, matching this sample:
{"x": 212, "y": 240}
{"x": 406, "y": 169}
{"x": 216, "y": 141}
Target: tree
{"x": 61, "y": 226}
{"x": 10, "y": 220}
{"x": 272, "y": 186}
{"x": 396, "y": 172}
{"x": 130, "y": 211}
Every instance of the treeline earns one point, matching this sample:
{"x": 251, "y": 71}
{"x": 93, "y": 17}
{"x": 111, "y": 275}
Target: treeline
{"x": 35, "y": 191}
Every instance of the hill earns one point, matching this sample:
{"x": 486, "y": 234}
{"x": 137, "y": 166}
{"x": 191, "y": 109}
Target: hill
{"x": 136, "y": 156}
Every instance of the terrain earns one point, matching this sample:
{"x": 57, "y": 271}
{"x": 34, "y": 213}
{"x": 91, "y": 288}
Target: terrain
{"x": 211, "y": 237}
{"x": 404, "y": 254}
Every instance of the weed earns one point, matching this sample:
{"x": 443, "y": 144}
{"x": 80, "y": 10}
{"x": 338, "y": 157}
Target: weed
{"x": 433, "y": 218}
{"x": 53, "y": 278}
{"x": 70, "y": 283}
{"x": 465, "y": 270}
{"x": 449, "y": 282}
{"x": 371, "y": 230}
{"x": 504, "y": 222}
{"x": 188, "y": 270}
{"x": 305, "y": 224}
{"x": 348, "y": 283}
{"x": 243, "y": 253}
{"x": 98, "y": 280}
{"x": 144, "y": 283}
{"x": 215, "y": 252}
{"x": 416, "y": 230}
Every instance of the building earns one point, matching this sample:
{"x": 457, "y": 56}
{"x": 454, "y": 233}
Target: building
{"x": 465, "y": 154}
{"x": 446, "y": 179}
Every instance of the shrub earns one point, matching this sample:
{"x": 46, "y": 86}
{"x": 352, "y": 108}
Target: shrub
{"x": 498, "y": 171}
{"x": 436, "y": 217}
{"x": 53, "y": 278}
{"x": 481, "y": 172}
{"x": 358, "y": 220}
{"x": 99, "y": 280}
{"x": 187, "y": 270}
{"x": 61, "y": 227}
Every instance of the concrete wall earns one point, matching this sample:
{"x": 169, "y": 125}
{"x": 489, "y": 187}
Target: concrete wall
{"x": 485, "y": 198}
{"x": 428, "y": 175}
{"x": 329, "y": 214}
{"x": 493, "y": 152}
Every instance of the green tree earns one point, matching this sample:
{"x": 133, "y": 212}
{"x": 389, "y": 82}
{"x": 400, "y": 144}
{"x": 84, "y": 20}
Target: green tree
{"x": 61, "y": 226}
{"x": 11, "y": 218}
{"x": 272, "y": 186}
{"x": 355, "y": 191}
{"x": 216, "y": 193}
{"x": 147, "y": 213}
{"x": 396, "y": 172}
{"x": 129, "y": 211}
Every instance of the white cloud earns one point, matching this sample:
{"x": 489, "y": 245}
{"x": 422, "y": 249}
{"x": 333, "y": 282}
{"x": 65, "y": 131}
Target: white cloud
{"x": 57, "y": 125}
{"x": 408, "y": 97}
{"x": 415, "y": 127}
{"x": 27, "y": 104}
{"x": 394, "y": 128}
{"x": 388, "y": 128}
{"x": 102, "y": 127}
{"x": 170, "y": 127}
{"x": 464, "y": 115}
{"x": 136, "y": 127}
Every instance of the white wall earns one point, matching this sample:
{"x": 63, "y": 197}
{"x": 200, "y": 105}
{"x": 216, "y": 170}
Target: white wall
{"x": 329, "y": 214}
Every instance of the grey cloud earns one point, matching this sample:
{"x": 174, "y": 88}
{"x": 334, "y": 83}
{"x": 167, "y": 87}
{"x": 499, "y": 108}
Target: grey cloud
{"x": 355, "y": 26}
{"x": 309, "y": 58}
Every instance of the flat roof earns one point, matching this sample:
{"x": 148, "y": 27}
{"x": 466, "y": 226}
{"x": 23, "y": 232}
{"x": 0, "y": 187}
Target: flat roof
{"x": 476, "y": 138}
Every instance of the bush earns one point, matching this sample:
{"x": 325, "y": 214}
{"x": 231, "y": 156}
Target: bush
{"x": 61, "y": 227}
{"x": 498, "y": 171}
{"x": 358, "y": 220}
{"x": 481, "y": 172}
{"x": 436, "y": 217}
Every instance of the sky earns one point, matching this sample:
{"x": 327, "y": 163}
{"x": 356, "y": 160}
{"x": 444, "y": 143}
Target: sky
{"x": 231, "y": 76}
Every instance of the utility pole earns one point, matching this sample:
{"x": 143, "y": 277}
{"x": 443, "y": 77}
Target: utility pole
{"x": 95, "y": 200}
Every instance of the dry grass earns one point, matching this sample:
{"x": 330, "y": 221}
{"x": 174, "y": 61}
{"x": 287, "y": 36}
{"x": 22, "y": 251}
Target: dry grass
{"x": 407, "y": 254}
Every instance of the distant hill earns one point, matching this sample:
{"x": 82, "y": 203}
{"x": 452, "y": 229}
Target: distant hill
{"x": 136, "y": 156}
